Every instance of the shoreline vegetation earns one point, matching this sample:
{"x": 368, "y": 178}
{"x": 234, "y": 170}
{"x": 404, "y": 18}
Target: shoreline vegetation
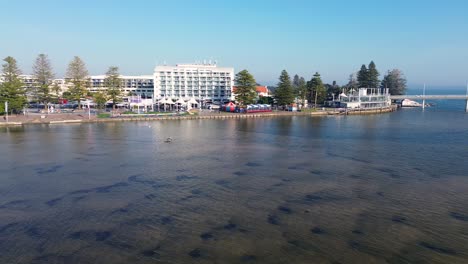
{"x": 83, "y": 118}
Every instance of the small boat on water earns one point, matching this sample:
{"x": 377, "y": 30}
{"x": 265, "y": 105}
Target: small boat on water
{"x": 410, "y": 103}
{"x": 168, "y": 140}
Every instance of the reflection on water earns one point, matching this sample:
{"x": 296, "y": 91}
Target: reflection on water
{"x": 359, "y": 189}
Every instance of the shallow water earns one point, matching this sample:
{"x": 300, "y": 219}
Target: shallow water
{"x": 389, "y": 188}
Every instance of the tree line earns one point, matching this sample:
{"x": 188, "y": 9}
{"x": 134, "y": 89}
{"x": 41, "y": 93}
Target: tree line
{"x": 44, "y": 90}
{"x": 298, "y": 90}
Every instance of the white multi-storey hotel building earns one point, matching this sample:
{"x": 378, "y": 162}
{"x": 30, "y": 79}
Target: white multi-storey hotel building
{"x": 203, "y": 82}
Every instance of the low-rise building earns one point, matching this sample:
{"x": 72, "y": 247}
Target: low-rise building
{"x": 366, "y": 98}
{"x": 262, "y": 91}
{"x": 141, "y": 85}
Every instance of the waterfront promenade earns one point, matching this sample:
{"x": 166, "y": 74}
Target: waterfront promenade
{"x": 30, "y": 119}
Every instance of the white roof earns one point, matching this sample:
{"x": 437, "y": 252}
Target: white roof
{"x": 192, "y": 101}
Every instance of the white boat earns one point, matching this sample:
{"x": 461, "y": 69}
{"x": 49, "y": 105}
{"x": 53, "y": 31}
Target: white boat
{"x": 410, "y": 103}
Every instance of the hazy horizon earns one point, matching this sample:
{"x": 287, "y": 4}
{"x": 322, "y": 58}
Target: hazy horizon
{"x": 427, "y": 42}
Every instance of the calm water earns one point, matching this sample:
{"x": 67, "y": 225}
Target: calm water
{"x": 389, "y": 188}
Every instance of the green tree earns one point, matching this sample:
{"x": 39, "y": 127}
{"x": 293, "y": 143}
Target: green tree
{"x": 317, "y": 89}
{"x": 100, "y": 99}
{"x": 372, "y": 76}
{"x": 302, "y": 90}
{"x": 246, "y": 92}
{"x": 363, "y": 77}
{"x": 67, "y": 95}
{"x": 295, "y": 84}
{"x": 42, "y": 71}
{"x": 333, "y": 90}
{"x": 77, "y": 75}
{"x": 395, "y": 81}
{"x": 11, "y": 90}
{"x": 284, "y": 93}
{"x": 265, "y": 100}
{"x": 113, "y": 84}
{"x": 352, "y": 83}
{"x": 56, "y": 89}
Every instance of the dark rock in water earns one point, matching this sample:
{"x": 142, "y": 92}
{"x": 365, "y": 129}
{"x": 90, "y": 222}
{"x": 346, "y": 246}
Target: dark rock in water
{"x": 323, "y": 196}
{"x": 391, "y": 172}
{"x": 273, "y": 219}
{"x": 438, "y": 249}
{"x": 313, "y": 197}
{"x": 196, "y": 253}
{"x": 300, "y": 244}
{"x": 206, "y": 236}
{"x": 121, "y": 210}
{"x": 108, "y": 188}
{"x": 134, "y": 178}
{"x": 253, "y": 164}
{"x": 242, "y": 230}
{"x": 185, "y": 177}
{"x": 354, "y": 244}
{"x": 230, "y": 226}
{"x": 81, "y": 191}
{"x": 76, "y": 235}
{"x": 317, "y": 230}
{"x": 248, "y": 258}
{"x": 357, "y": 232}
{"x": 119, "y": 245}
{"x": 7, "y": 226}
{"x": 33, "y": 232}
{"x": 16, "y": 204}
{"x": 76, "y": 199}
{"x": 53, "y": 202}
{"x": 151, "y": 252}
{"x": 137, "y": 179}
{"x": 103, "y": 235}
{"x": 399, "y": 219}
{"x": 159, "y": 186}
{"x": 187, "y": 197}
{"x": 150, "y": 196}
{"x": 166, "y": 220}
{"x": 307, "y": 211}
{"x": 317, "y": 172}
{"x": 285, "y": 209}
{"x": 196, "y": 191}
{"x": 49, "y": 170}
{"x": 459, "y": 216}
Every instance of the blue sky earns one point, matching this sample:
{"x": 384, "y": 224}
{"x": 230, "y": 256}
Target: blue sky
{"x": 428, "y": 40}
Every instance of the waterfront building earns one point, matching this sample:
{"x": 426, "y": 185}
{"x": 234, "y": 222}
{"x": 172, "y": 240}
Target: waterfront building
{"x": 366, "y": 98}
{"x": 140, "y": 85}
{"x": 206, "y": 83}
{"x": 262, "y": 91}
